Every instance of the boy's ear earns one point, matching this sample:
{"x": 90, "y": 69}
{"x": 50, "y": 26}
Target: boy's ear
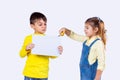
{"x": 32, "y": 26}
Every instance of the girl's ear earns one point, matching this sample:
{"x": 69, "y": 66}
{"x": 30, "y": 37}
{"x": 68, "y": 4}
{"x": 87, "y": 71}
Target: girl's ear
{"x": 96, "y": 29}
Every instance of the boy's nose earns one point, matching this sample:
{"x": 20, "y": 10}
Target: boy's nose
{"x": 43, "y": 26}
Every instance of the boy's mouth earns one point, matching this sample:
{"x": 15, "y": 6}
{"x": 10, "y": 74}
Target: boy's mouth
{"x": 44, "y": 30}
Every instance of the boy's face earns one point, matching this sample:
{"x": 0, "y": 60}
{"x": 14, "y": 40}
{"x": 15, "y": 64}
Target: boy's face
{"x": 39, "y": 26}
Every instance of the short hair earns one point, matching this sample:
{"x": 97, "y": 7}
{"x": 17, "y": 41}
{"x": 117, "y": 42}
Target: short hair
{"x": 37, "y": 15}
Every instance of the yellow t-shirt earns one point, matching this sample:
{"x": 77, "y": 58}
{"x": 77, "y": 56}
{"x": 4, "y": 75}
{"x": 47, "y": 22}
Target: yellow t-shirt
{"x": 36, "y": 66}
{"x": 97, "y": 51}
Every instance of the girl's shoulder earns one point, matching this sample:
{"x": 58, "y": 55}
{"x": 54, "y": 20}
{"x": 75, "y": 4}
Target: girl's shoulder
{"x": 99, "y": 43}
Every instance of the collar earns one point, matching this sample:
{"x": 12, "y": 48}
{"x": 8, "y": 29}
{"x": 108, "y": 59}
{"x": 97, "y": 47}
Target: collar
{"x": 90, "y": 40}
{"x": 38, "y": 34}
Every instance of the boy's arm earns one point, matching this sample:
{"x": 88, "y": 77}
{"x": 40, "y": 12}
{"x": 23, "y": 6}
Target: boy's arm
{"x": 60, "y": 48}
{"x": 53, "y": 57}
{"x": 23, "y": 51}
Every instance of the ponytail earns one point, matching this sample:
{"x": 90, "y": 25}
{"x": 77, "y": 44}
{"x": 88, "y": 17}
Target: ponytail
{"x": 102, "y": 33}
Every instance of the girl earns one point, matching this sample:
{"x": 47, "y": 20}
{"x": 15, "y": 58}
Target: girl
{"x": 92, "y": 62}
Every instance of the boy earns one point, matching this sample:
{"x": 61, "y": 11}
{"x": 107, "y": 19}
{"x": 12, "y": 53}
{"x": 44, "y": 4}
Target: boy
{"x": 37, "y": 66}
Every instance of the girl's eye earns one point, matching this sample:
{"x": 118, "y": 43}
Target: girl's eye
{"x": 86, "y": 27}
{"x": 45, "y": 24}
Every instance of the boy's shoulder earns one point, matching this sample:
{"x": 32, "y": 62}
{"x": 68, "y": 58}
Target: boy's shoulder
{"x": 28, "y": 36}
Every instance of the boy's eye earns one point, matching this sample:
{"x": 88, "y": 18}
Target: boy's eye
{"x": 40, "y": 24}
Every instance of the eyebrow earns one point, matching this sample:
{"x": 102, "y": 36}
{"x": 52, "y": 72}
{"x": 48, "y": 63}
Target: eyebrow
{"x": 86, "y": 26}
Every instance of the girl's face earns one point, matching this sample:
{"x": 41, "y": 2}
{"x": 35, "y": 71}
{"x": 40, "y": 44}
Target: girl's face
{"x": 39, "y": 26}
{"x": 90, "y": 31}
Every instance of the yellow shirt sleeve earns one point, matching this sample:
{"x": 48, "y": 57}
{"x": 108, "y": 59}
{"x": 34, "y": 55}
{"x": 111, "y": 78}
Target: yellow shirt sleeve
{"x": 100, "y": 56}
{"x": 23, "y": 51}
{"x": 97, "y": 52}
{"x": 53, "y": 57}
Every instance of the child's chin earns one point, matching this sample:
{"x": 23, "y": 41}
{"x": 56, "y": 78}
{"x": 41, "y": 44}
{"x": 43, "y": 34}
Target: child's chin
{"x": 87, "y": 35}
{"x": 42, "y": 32}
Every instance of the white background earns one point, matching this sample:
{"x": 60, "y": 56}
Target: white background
{"x": 14, "y": 26}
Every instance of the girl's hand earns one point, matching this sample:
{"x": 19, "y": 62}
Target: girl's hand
{"x": 30, "y": 46}
{"x": 60, "y": 48}
{"x": 98, "y": 75}
{"x": 97, "y": 79}
{"x": 62, "y": 31}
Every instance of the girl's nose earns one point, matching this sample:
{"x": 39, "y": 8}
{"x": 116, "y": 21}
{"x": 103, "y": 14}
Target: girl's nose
{"x": 84, "y": 30}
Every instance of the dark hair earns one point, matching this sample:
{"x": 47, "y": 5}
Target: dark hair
{"x": 97, "y": 22}
{"x": 37, "y": 15}
{"x": 93, "y": 21}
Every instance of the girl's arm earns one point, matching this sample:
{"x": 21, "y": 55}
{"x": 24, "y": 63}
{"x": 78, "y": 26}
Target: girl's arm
{"x": 73, "y": 35}
{"x": 98, "y": 75}
{"x": 101, "y": 59}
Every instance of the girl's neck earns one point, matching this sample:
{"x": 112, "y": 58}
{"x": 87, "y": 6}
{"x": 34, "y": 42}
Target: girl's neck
{"x": 92, "y": 36}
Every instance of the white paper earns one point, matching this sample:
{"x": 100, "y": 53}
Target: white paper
{"x": 46, "y": 45}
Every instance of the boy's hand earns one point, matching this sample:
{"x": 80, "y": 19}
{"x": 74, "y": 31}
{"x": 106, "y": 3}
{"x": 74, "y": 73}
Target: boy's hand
{"x": 60, "y": 48}
{"x": 62, "y": 31}
{"x": 30, "y": 46}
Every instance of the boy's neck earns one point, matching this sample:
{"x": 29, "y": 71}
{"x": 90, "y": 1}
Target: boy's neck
{"x": 39, "y": 33}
